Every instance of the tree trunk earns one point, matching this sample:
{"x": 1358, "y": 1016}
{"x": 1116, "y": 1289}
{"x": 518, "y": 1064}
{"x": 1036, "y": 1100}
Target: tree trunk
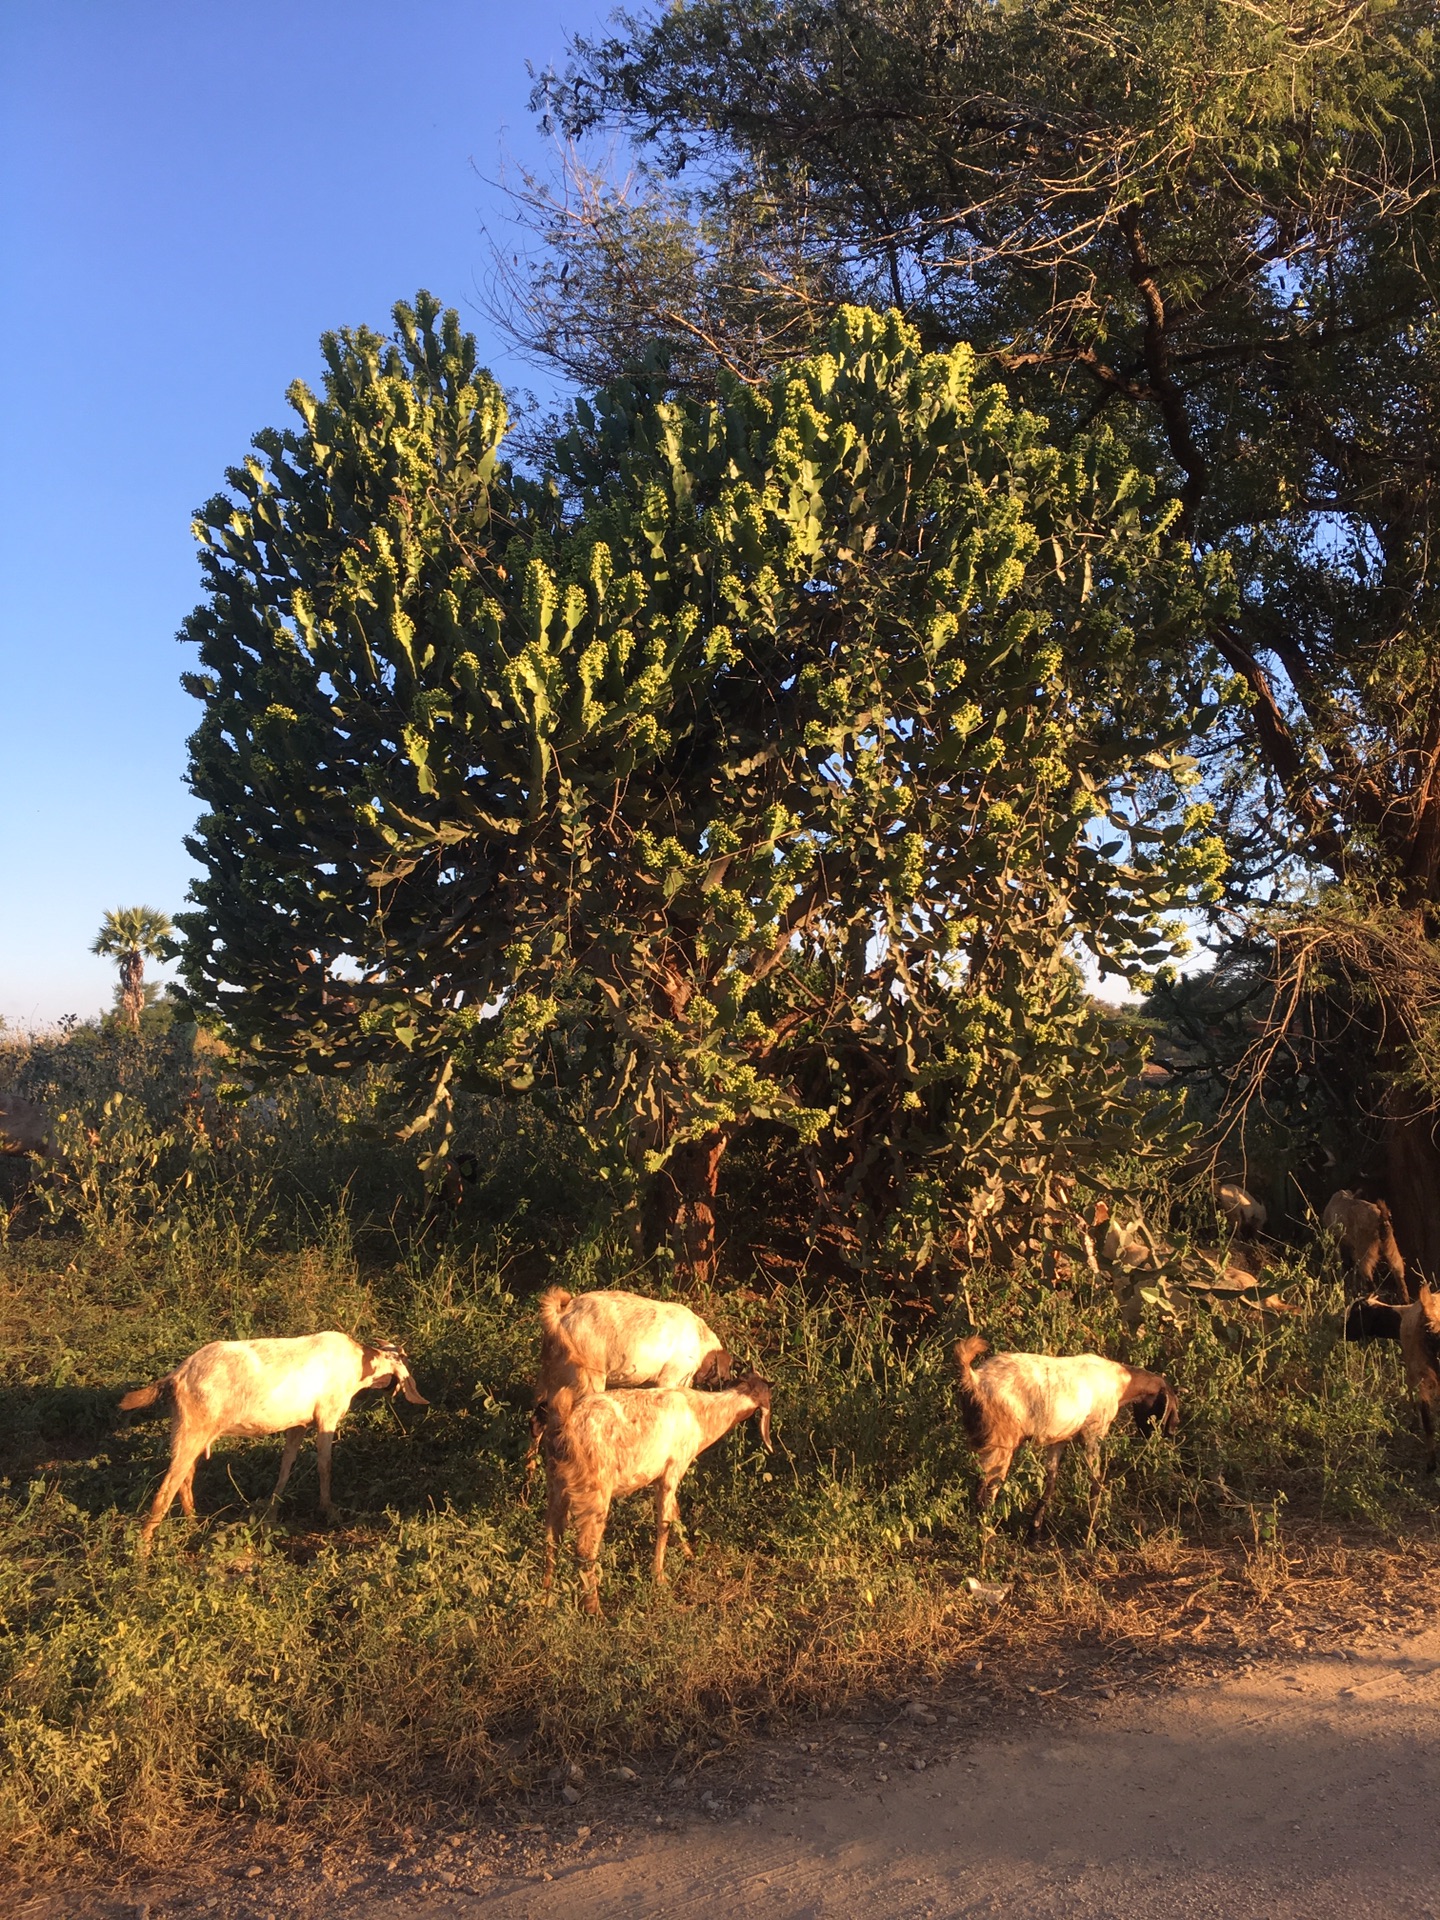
{"x": 1412, "y": 1166}
{"x": 132, "y": 989}
{"x": 680, "y": 1207}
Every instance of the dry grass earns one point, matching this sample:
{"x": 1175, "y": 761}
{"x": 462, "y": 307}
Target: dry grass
{"x": 403, "y": 1666}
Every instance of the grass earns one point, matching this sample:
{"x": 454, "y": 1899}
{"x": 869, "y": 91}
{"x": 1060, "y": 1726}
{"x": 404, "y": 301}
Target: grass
{"x": 405, "y": 1662}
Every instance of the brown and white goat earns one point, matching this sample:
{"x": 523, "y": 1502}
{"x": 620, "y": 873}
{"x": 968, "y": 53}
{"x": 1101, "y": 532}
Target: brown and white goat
{"x": 256, "y": 1387}
{"x": 1417, "y": 1328}
{"x": 601, "y": 1446}
{"x": 1366, "y": 1236}
{"x": 1014, "y": 1397}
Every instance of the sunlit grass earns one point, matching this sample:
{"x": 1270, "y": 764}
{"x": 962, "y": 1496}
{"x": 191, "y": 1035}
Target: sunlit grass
{"x": 406, "y": 1660}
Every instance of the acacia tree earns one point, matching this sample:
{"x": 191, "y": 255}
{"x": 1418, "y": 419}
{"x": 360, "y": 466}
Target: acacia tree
{"x": 130, "y": 936}
{"x": 770, "y": 766}
{"x": 1213, "y": 227}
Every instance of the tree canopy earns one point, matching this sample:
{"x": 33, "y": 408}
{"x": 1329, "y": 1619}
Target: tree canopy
{"x": 1214, "y": 229}
{"x": 771, "y": 763}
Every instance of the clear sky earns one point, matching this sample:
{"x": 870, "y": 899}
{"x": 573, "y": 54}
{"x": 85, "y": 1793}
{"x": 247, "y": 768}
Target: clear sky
{"x": 190, "y": 193}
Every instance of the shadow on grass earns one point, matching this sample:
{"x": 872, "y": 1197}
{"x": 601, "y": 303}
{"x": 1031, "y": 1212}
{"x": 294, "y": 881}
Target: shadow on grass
{"x": 388, "y": 1456}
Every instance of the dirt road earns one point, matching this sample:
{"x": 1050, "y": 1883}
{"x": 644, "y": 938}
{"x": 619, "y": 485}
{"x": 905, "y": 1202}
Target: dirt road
{"x": 1310, "y": 1790}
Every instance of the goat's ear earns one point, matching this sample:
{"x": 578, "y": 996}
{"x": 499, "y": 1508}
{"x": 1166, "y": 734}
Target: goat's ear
{"x": 407, "y": 1386}
{"x": 1430, "y": 1307}
{"x": 765, "y": 1440}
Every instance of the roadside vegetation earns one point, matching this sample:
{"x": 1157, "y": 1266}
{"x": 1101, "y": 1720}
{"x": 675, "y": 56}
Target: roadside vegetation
{"x": 674, "y": 846}
{"x": 405, "y": 1661}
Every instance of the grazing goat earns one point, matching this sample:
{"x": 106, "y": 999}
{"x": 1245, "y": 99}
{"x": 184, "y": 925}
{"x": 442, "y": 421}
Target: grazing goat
{"x": 601, "y": 1446}
{"x": 1417, "y": 1328}
{"x": 265, "y": 1386}
{"x": 1015, "y": 1397}
{"x": 1366, "y": 1236}
{"x": 1239, "y": 1208}
{"x": 624, "y": 1340}
{"x": 592, "y": 1341}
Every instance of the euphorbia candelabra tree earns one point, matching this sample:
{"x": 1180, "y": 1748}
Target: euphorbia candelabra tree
{"x": 771, "y": 763}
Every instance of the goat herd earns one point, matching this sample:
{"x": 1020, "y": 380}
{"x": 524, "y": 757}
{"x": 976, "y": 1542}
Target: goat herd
{"x": 633, "y": 1390}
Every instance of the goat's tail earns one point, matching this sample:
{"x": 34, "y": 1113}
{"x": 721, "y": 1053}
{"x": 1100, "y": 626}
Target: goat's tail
{"x": 562, "y": 1368}
{"x": 147, "y": 1396}
{"x": 973, "y": 1410}
{"x": 555, "y": 1303}
{"x": 967, "y": 1352}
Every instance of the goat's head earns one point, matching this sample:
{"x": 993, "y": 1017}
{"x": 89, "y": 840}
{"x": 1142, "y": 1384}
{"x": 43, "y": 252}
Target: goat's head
{"x": 715, "y": 1369}
{"x": 1154, "y": 1402}
{"x": 1430, "y": 1308}
{"x": 385, "y": 1367}
{"x": 758, "y": 1390}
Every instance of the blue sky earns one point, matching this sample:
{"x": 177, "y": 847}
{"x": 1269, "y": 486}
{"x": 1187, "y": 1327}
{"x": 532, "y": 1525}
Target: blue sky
{"x": 189, "y": 195}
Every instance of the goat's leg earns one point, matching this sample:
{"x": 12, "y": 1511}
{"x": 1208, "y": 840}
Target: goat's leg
{"x": 1427, "y": 1427}
{"x": 179, "y": 1474}
{"x": 995, "y": 1469}
{"x": 679, "y": 1525}
{"x": 556, "y": 1510}
{"x": 662, "y": 1533}
{"x": 667, "y": 1515}
{"x": 531, "y": 1462}
{"x": 1094, "y": 1466}
{"x": 294, "y": 1440}
{"x": 589, "y": 1532}
{"x": 1052, "y": 1475}
{"x": 187, "y": 1492}
{"x": 324, "y": 1446}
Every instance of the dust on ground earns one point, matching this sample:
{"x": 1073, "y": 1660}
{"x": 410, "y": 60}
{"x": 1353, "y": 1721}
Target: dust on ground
{"x": 1274, "y": 1758}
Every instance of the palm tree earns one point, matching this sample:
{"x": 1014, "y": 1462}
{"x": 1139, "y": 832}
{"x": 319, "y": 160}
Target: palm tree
{"x": 130, "y": 936}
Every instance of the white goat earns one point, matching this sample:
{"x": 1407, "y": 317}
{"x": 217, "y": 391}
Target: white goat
{"x": 1015, "y": 1397}
{"x": 1239, "y": 1208}
{"x": 619, "y": 1339}
{"x": 591, "y": 1341}
{"x": 601, "y": 1446}
{"x": 265, "y": 1386}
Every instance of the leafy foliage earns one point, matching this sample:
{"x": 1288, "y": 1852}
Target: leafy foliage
{"x": 1216, "y": 228}
{"x": 770, "y": 778}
